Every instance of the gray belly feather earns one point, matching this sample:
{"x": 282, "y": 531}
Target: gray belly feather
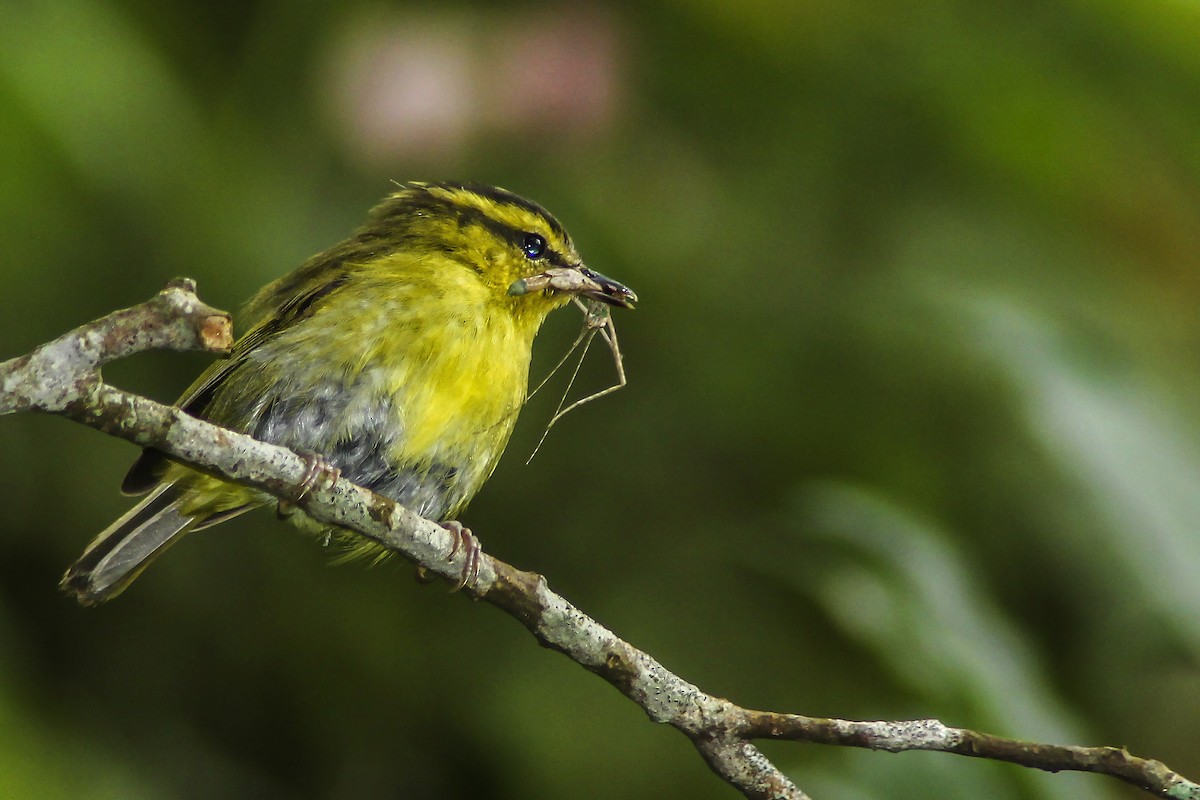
{"x": 356, "y": 437}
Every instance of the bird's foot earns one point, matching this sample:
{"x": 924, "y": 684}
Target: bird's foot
{"x": 319, "y": 471}
{"x": 472, "y": 552}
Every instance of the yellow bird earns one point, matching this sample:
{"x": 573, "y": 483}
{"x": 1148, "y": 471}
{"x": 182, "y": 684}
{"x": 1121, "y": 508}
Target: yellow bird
{"x": 399, "y": 357}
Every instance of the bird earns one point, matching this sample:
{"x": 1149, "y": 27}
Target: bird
{"x": 397, "y": 359}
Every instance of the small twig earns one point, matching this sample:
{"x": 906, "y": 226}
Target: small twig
{"x": 930, "y": 734}
{"x": 63, "y": 377}
{"x": 64, "y": 371}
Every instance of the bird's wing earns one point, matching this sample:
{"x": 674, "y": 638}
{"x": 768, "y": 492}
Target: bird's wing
{"x": 150, "y": 465}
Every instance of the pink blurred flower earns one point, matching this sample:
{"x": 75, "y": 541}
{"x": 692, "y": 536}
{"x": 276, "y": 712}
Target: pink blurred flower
{"x": 429, "y": 86}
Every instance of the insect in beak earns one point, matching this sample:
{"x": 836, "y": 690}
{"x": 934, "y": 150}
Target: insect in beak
{"x": 578, "y": 281}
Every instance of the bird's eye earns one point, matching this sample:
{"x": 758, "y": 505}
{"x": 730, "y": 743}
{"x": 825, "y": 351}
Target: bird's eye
{"x": 534, "y": 246}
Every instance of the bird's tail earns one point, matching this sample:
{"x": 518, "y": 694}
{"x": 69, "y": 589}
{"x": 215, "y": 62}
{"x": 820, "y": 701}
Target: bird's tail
{"x": 125, "y": 548}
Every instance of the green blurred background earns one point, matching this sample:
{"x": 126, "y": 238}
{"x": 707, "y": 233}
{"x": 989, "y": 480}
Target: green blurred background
{"x": 910, "y": 428}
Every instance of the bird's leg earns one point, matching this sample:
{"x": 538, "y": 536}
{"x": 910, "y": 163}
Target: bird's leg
{"x": 318, "y": 470}
{"x": 472, "y": 551}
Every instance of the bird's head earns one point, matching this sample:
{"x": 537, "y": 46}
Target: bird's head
{"x": 513, "y": 246}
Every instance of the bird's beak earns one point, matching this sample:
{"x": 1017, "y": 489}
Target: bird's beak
{"x": 579, "y": 281}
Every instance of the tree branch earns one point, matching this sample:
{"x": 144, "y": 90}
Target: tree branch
{"x": 63, "y": 377}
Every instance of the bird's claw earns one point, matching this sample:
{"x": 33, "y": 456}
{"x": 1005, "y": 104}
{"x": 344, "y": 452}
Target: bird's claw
{"x": 463, "y": 540}
{"x": 318, "y": 470}
{"x": 472, "y": 552}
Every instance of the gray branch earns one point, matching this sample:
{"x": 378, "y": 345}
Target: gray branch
{"x": 63, "y": 377}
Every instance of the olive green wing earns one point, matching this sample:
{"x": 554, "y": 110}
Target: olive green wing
{"x": 148, "y": 470}
{"x": 150, "y": 466}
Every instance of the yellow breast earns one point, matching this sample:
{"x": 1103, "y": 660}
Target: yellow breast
{"x": 452, "y": 360}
